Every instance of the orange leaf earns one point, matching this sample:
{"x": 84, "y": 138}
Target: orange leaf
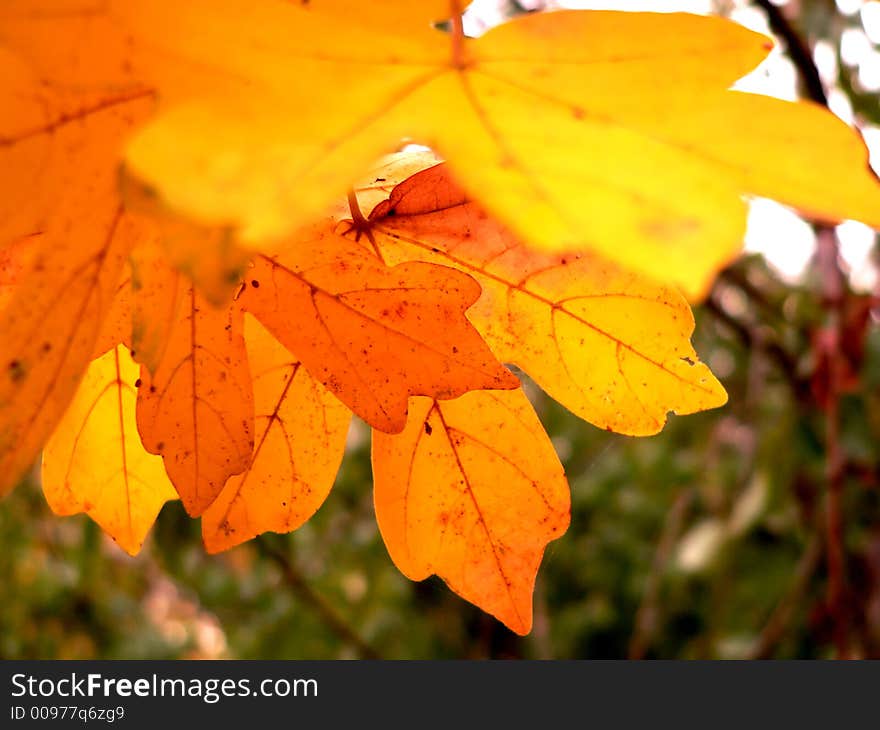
{"x": 373, "y": 335}
{"x": 95, "y": 463}
{"x": 300, "y": 438}
{"x": 609, "y": 344}
{"x": 15, "y": 262}
{"x": 68, "y": 102}
{"x": 51, "y": 324}
{"x": 208, "y": 256}
{"x": 116, "y": 328}
{"x": 197, "y": 409}
{"x": 156, "y": 301}
{"x": 472, "y": 491}
{"x": 69, "y": 97}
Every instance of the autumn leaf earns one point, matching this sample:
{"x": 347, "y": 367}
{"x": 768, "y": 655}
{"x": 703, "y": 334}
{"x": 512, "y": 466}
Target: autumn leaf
{"x": 373, "y": 335}
{"x": 70, "y": 95}
{"x": 197, "y": 408}
{"x": 299, "y": 441}
{"x": 68, "y": 103}
{"x": 15, "y": 260}
{"x": 208, "y": 256}
{"x": 50, "y": 326}
{"x": 610, "y": 345}
{"x": 472, "y": 491}
{"x": 95, "y": 463}
{"x": 156, "y": 296}
{"x": 376, "y": 184}
{"x": 609, "y": 140}
{"x": 116, "y": 327}
{"x": 608, "y": 131}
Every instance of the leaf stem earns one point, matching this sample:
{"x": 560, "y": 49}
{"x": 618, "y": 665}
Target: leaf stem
{"x": 360, "y": 225}
{"x": 356, "y": 216}
{"x": 458, "y": 60}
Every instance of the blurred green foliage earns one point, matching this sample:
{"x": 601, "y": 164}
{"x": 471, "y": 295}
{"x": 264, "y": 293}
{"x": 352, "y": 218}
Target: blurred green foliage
{"x": 705, "y": 541}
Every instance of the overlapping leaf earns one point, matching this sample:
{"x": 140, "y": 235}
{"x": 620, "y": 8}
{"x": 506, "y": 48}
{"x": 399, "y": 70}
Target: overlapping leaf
{"x": 197, "y": 408}
{"x": 373, "y": 335}
{"x": 50, "y": 326}
{"x": 609, "y": 344}
{"x": 69, "y": 100}
{"x": 606, "y": 131}
{"x": 299, "y": 440}
{"x": 610, "y": 137}
{"x": 95, "y": 463}
{"x": 473, "y": 491}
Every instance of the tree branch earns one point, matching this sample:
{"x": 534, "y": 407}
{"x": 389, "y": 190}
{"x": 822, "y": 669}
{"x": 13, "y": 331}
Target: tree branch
{"x": 648, "y": 612}
{"x": 798, "y": 51}
{"x": 775, "y": 628}
{"x": 298, "y": 584}
{"x": 827, "y": 348}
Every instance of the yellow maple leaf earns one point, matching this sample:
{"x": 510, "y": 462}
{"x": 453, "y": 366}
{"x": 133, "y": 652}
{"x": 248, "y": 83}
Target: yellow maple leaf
{"x": 95, "y": 463}
{"x": 602, "y": 130}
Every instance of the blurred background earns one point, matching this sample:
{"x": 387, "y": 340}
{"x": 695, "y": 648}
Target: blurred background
{"x": 745, "y": 532}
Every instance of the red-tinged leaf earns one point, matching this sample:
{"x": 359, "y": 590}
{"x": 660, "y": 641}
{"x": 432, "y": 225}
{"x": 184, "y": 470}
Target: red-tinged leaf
{"x": 609, "y": 344}
{"x": 373, "y": 335}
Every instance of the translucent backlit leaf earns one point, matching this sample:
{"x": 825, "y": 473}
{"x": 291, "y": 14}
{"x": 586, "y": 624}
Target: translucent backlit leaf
{"x": 197, "y": 409}
{"x": 472, "y": 491}
{"x": 607, "y": 131}
{"x": 68, "y": 100}
{"x": 156, "y": 299}
{"x": 372, "y": 334}
{"x": 299, "y": 441}
{"x": 208, "y": 256}
{"x": 609, "y": 344}
{"x": 50, "y": 326}
{"x": 95, "y": 463}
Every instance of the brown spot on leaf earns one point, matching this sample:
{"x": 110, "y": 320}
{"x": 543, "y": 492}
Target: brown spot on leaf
{"x": 16, "y": 370}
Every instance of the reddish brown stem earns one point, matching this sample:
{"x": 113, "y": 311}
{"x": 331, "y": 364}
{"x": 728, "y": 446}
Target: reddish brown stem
{"x": 458, "y": 60}
{"x": 361, "y": 225}
{"x": 833, "y": 292}
{"x": 355, "y": 209}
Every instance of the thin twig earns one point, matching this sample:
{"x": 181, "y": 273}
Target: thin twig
{"x": 779, "y": 355}
{"x": 775, "y": 628}
{"x": 797, "y": 49}
{"x": 733, "y": 276}
{"x": 829, "y": 349}
{"x": 298, "y": 584}
{"x": 648, "y": 612}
